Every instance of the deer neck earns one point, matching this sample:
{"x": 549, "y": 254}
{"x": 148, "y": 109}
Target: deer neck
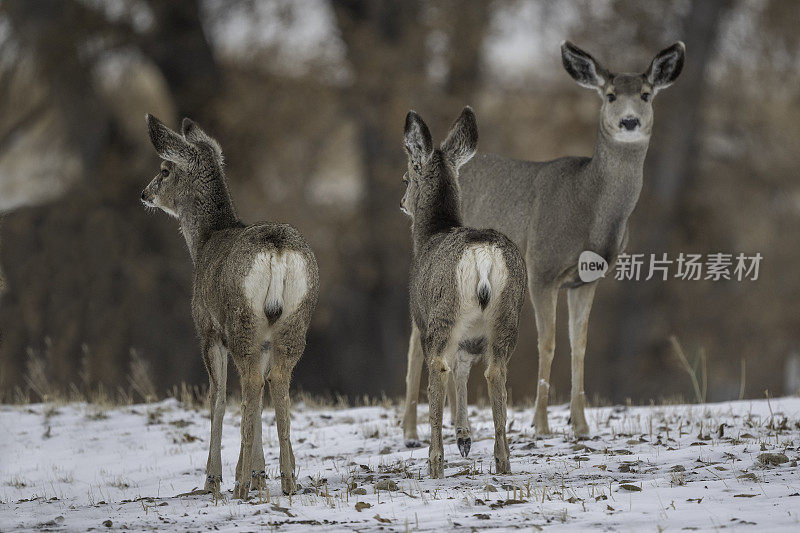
{"x": 438, "y": 213}
{"x": 208, "y": 212}
{"x": 616, "y": 170}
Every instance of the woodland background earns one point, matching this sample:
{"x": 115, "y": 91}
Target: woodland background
{"x": 308, "y": 100}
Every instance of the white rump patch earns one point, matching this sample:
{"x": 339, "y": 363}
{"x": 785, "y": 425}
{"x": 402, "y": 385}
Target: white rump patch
{"x": 279, "y": 277}
{"x": 481, "y": 267}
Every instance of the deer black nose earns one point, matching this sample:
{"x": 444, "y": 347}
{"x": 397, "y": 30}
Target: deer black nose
{"x": 629, "y": 123}
{"x": 144, "y": 196}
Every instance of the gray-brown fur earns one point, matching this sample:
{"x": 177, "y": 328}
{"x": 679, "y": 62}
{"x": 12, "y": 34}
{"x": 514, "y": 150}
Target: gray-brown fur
{"x": 467, "y": 287}
{"x": 233, "y": 265}
{"x": 554, "y": 210}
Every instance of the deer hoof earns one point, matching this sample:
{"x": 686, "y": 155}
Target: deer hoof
{"x": 464, "y": 446}
{"x": 213, "y": 484}
{"x": 288, "y": 485}
{"x": 436, "y": 466}
{"x": 241, "y": 491}
{"x": 503, "y": 465}
{"x": 258, "y": 480}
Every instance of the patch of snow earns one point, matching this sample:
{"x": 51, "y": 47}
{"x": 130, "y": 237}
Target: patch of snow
{"x": 74, "y": 467}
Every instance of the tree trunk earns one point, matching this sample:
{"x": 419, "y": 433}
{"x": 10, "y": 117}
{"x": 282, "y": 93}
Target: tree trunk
{"x": 385, "y": 48}
{"x": 91, "y": 268}
{"x": 179, "y": 47}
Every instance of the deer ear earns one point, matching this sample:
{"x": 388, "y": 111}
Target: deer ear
{"x": 462, "y": 141}
{"x": 417, "y": 140}
{"x": 168, "y": 144}
{"x": 193, "y": 134}
{"x": 582, "y": 67}
{"x": 666, "y": 66}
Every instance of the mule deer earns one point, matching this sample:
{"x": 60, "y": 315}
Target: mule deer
{"x": 557, "y": 209}
{"x": 255, "y": 288}
{"x": 467, "y": 286}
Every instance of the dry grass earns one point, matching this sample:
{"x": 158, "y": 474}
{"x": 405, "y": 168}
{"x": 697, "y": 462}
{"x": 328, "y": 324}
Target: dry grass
{"x": 699, "y": 383}
{"x": 140, "y": 379}
{"x": 36, "y": 376}
{"x": 91, "y": 390}
{"x": 39, "y": 387}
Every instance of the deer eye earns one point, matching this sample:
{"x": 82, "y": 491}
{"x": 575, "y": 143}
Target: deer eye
{"x": 164, "y": 172}
{"x": 646, "y": 97}
{"x": 611, "y": 97}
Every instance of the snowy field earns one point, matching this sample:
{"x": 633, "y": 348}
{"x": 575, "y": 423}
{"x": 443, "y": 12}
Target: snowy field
{"x": 729, "y": 466}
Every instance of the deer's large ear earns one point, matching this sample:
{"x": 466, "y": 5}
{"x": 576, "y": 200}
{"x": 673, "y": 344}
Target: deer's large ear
{"x": 462, "y": 141}
{"x": 582, "y": 67}
{"x": 666, "y": 66}
{"x": 195, "y": 135}
{"x": 168, "y": 144}
{"x": 417, "y": 140}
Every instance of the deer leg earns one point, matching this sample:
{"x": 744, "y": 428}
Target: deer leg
{"x": 415, "y": 359}
{"x": 437, "y": 375}
{"x": 252, "y": 383}
{"x": 460, "y": 377}
{"x": 212, "y": 403}
{"x": 579, "y": 301}
{"x": 503, "y": 343}
{"x": 258, "y": 464}
{"x": 434, "y": 345}
{"x": 238, "y": 473}
{"x": 452, "y": 398}
{"x": 259, "y": 474}
{"x": 544, "y": 305}
{"x": 279, "y": 379}
{"x": 217, "y": 366}
{"x": 496, "y": 381}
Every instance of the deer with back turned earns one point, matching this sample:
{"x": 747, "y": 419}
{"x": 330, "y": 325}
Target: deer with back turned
{"x": 556, "y": 210}
{"x": 255, "y": 288}
{"x": 467, "y": 286}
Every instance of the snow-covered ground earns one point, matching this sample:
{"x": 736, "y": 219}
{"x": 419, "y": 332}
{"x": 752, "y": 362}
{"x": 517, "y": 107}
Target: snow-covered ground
{"x": 75, "y": 468}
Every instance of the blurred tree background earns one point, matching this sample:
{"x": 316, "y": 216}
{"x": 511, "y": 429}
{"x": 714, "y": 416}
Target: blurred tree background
{"x": 308, "y": 100}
